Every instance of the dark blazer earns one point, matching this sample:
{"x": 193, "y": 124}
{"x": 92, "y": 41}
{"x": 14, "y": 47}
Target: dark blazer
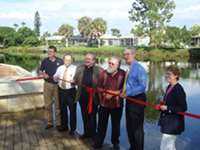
{"x": 171, "y": 122}
{"x": 78, "y": 80}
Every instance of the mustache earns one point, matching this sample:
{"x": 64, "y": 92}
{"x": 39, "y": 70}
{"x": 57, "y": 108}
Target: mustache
{"x": 111, "y": 70}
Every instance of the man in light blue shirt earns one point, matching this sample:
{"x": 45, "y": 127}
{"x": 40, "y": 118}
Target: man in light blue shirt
{"x": 135, "y": 88}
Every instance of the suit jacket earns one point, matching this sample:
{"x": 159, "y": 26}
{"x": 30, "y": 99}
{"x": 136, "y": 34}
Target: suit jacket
{"x": 170, "y": 121}
{"x": 79, "y": 77}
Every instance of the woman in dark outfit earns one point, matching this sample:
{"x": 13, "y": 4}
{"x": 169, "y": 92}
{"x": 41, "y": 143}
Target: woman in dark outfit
{"x": 171, "y": 123}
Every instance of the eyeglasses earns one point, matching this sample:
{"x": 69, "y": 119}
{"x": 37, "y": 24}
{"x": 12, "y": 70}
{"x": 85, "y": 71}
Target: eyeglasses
{"x": 168, "y": 74}
{"x": 126, "y": 54}
{"x": 111, "y": 63}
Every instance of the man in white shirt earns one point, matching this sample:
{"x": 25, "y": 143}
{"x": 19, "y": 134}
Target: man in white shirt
{"x": 67, "y": 91}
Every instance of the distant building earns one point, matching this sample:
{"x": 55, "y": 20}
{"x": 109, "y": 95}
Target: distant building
{"x": 109, "y": 40}
{"x": 78, "y": 40}
{"x": 104, "y": 40}
{"x": 128, "y": 40}
{"x": 195, "y": 41}
{"x": 143, "y": 41}
{"x": 56, "y": 40}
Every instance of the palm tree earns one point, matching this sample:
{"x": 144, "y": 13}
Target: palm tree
{"x": 16, "y": 26}
{"x": 23, "y": 24}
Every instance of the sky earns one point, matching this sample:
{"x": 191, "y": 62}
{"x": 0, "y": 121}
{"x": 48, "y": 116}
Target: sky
{"x": 54, "y": 13}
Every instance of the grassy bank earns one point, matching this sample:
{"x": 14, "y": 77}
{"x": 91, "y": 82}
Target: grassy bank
{"x": 143, "y": 54}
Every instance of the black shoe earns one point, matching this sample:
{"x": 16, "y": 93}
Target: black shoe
{"x": 60, "y": 128}
{"x": 49, "y": 126}
{"x": 72, "y": 133}
{"x": 85, "y": 136}
{"x": 97, "y": 146}
{"x": 116, "y": 147}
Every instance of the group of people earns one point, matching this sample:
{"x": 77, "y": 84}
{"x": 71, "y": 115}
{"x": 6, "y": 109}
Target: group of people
{"x": 101, "y": 93}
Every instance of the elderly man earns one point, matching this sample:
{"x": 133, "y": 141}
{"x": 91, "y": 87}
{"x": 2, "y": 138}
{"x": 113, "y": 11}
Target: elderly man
{"x": 135, "y": 88}
{"x": 48, "y": 68}
{"x": 87, "y": 76}
{"x": 111, "y": 80}
{"x": 67, "y": 91}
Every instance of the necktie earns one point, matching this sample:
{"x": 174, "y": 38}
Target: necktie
{"x": 124, "y": 86}
{"x": 64, "y": 79}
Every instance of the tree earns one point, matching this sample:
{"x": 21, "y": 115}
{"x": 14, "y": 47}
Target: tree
{"x": 173, "y": 37}
{"x": 44, "y": 36}
{"x": 7, "y": 36}
{"x": 195, "y": 30}
{"x": 84, "y": 26}
{"x": 186, "y": 36}
{"x": 98, "y": 27}
{"x": 16, "y": 26}
{"x": 23, "y": 33}
{"x": 115, "y": 32}
{"x": 66, "y": 30}
{"x": 176, "y": 37}
{"x": 150, "y": 18}
{"x": 31, "y": 40}
{"x": 23, "y": 24}
{"x": 37, "y": 23}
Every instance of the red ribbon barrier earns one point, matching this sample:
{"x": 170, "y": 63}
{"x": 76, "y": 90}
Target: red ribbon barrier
{"x": 136, "y": 101}
{"x": 29, "y": 78}
{"x": 90, "y": 102}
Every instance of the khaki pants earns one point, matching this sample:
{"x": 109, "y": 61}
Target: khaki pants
{"x": 50, "y": 93}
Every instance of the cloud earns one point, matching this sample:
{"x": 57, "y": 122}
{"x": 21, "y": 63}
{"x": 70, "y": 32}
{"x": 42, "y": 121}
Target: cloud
{"x": 71, "y": 8}
{"x": 115, "y": 12}
{"x": 191, "y": 12}
{"x": 188, "y": 15}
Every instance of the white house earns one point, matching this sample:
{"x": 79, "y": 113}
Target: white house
{"x": 143, "y": 41}
{"x": 57, "y": 39}
{"x": 126, "y": 40}
{"x": 105, "y": 40}
{"x": 195, "y": 41}
{"x": 109, "y": 40}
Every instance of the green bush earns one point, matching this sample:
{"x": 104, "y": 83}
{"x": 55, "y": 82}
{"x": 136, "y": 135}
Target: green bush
{"x": 32, "y": 41}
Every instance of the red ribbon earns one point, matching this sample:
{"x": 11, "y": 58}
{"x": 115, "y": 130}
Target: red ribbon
{"x": 90, "y": 102}
{"x": 29, "y": 78}
{"x": 136, "y": 101}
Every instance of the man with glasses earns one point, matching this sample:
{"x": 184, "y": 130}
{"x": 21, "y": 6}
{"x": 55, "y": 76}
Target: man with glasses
{"x": 48, "y": 68}
{"x": 111, "y": 80}
{"x": 135, "y": 86}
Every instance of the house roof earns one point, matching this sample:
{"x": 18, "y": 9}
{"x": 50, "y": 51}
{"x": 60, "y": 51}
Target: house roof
{"x": 108, "y": 36}
{"x": 77, "y": 37}
{"x": 55, "y": 38}
{"x": 129, "y": 36}
{"x": 196, "y": 36}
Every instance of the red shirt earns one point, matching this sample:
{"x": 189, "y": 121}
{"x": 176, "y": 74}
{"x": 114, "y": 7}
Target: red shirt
{"x": 113, "y": 82}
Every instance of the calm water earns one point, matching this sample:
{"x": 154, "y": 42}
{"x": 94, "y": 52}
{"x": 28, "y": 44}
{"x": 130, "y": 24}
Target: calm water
{"x": 190, "y": 79}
